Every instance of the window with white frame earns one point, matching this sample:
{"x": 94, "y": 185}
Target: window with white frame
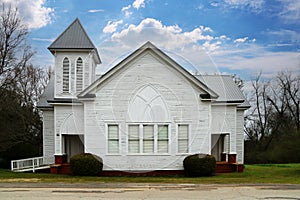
{"x": 79, "y": 75}
{"x": 66, "y": 76}
{"x": 183, "y": 138}
{"x": 133, "y": 139}
{"x": 163, "y": 139}
{"x": 148, "y": 138}
{"x": 113, "y": 138}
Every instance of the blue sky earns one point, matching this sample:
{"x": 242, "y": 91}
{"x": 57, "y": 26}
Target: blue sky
{"x": 244, "y": 37}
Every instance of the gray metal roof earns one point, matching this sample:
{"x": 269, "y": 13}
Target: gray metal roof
{"x": 225, "y": 87}
{"x": 74, "y": 37}
{"x": 47, "y": 95}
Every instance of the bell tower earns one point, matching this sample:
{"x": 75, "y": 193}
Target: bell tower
{"x": 76, "y": 58}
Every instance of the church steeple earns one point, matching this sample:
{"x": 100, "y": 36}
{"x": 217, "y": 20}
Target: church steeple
{"x": 75, "y": 60}
{"x": 74, "y": 37}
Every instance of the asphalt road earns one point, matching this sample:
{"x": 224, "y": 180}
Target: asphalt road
{"x": 56, "y": 191}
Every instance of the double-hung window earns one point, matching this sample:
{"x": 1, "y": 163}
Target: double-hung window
{"x": 183, "y": 138}
{"x": 148, "y": 139}
{"x": 163, "y": 139}
{"x": 113, "y": 138}
{"x": 133, "y": 139}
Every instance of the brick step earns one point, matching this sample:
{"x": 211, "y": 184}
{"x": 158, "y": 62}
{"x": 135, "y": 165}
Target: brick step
{"x": 60, "y": 169}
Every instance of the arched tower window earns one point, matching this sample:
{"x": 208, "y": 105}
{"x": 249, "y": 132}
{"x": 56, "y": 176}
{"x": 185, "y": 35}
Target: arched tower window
{"x": 79, "y": 75}
{"x": 66, "y": 75}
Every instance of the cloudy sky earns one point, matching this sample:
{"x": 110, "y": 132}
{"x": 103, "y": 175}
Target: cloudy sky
{"x": 228, "y": 36}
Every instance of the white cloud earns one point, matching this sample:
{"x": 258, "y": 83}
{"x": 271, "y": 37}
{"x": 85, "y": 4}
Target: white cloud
{"x": 138, "y": 4}
{"x": 214, "y": 4}
{"x": 170, "y": 38}
{"x": 112, "y": 26}
{"x": 44, "y": 39}
{"x": 284, "y": 35}
{"x": 198, "y": 49}
{"x": 33, "y": 12}
{"x": 253, "y": 5}
{"x": 241, "y": 40}
{"x": 254, "y": 58}
{"x": 223, "y": 37}
{"x": 291, "y": 11}
{"x": 95, "y": 10}
{"x": 126, "y": 11}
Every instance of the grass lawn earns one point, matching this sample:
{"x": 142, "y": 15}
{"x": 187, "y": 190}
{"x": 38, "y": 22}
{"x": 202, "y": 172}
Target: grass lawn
{"x": 271, "y": 173}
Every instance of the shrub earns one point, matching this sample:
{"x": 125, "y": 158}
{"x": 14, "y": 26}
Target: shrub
{"x": 86, "y": 164}
{"x": 199, "y": 165}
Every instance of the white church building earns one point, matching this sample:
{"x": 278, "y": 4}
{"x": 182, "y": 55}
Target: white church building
{"x": 147, "y": 113}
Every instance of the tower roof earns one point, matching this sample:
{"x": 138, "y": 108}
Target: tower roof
{"x": 74, "y": 37}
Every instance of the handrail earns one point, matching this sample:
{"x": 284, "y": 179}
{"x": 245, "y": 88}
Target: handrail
{"x": 31, "y": 163}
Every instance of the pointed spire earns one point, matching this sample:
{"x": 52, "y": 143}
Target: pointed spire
{"x": 74, "y": 37}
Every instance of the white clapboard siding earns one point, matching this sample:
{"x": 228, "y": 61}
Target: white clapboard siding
{"x": 48, "y": 133}
{"x": 86, "y": 74}
{"x": 63, "y": 114}
{"x": 240, "y": 136}
{"x": 111, "y": 106}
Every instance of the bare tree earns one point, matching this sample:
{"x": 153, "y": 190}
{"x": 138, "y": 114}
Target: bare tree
{"x": 14, "y": 51}
{"x": 21, "y": 85}
{"x": 273, "y": 125}
{"x": 290, "y": 86}
{"x": 275, "y": 106}
{"x": 257, "y": 126}
{"x": 31, "y": 83}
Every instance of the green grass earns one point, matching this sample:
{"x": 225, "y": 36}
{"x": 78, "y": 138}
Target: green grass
{"x": 271, "y": 173}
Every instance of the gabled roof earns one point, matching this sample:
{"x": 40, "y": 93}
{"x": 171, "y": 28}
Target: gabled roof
{"x": 48, "y": 94}
{"x": 74, "y": 37}
{"x": 225, "y": 87}
{"x": 148, "y": 46}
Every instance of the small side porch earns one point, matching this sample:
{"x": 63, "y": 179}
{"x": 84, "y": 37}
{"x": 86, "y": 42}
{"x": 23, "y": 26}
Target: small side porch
{"x": 71, "y": 144}
{"x": 226, "y": 160}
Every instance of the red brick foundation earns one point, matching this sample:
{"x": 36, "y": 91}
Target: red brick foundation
{"x": 232, "y": 158}
{"x": 221, "y": 167}
{"x": 60, "y": 159}
{"x": 224, "y": 167}
{"x": 60, "y": 169}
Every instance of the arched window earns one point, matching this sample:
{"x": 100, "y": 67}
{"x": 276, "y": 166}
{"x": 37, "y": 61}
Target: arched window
{"x": 79, "y": 75}
{"x": 66, "y": 75}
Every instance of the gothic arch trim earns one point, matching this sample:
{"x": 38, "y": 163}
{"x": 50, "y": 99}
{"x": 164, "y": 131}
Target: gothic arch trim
{"x": 148, "y": 105}
{"x": 71, "y": 125}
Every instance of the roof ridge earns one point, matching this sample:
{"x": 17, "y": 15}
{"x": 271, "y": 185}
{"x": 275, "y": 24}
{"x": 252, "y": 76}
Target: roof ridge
{"x": 55, "y": 44}
{"x": 148, "y": 46}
